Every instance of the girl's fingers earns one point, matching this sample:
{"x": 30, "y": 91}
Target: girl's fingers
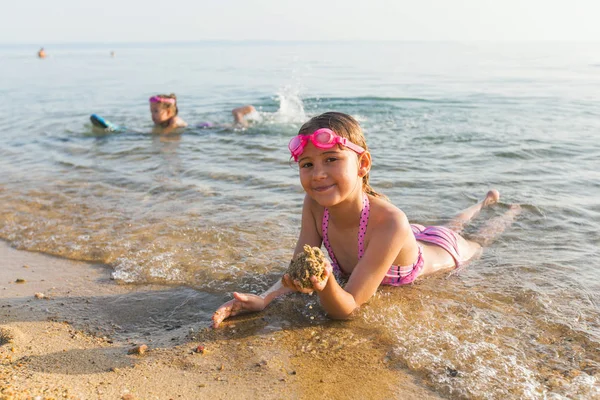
{"x": 240, "y": 296}
{"x": 301, "y": 288}
{"x": 219, "y": 315}
{"x": 317, "y": 284}
{"x": 291, "y": 284}
{"x": 285, "y": 280}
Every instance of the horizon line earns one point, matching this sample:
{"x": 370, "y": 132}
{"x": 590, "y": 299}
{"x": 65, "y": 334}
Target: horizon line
{"x": 284, "y": 41}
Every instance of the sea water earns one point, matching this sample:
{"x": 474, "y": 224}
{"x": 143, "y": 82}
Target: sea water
{"x": 218, "y": 209}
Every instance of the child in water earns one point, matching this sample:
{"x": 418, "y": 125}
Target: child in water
{"x": 369, "y": 240}
{"x": 164, "y": 111}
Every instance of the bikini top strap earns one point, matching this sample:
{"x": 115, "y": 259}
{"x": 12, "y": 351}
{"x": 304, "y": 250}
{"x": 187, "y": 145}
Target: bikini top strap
{"x": 324, "y": 228}
{"x": 362, "y": 227}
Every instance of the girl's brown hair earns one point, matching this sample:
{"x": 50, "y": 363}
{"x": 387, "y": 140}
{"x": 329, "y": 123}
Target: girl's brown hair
{"x": 345, "y": 126}
{"x": 169, "y": 105}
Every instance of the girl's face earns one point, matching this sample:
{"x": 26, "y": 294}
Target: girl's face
{"x": 160, "y": 114}
{"x": 329, "y": 176}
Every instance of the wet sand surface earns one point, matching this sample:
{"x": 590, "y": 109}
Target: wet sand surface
{"x": 74, "y": 341}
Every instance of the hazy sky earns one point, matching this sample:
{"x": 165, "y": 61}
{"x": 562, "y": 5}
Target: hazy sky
{"x": 59, "y": 21}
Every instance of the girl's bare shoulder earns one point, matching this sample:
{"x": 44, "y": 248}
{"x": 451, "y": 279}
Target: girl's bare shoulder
{"x": 384, "y": 213}
{"x": 314, "y": 207}
{"x": 179, "y": 123}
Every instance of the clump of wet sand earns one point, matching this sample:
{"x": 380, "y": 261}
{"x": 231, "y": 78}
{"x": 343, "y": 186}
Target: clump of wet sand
{"x": 6, "y": 336}
{"x": 306, "y": 264}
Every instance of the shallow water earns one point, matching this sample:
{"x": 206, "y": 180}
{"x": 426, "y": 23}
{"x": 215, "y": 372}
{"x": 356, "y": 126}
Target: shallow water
{"x": 218, "y": 209}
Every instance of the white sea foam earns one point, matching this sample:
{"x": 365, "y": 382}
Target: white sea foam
{"x": 291, "y": 107}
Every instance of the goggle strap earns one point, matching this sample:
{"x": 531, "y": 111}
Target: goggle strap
{"x": 354, "y": 147}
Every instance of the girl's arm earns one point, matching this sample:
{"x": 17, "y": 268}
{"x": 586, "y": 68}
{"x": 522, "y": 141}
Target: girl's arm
{"x": 245, "y": 302}
{"x": 384, "y": 246}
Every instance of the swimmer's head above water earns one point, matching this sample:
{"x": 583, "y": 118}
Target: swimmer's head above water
{"x": 163, "y": 108}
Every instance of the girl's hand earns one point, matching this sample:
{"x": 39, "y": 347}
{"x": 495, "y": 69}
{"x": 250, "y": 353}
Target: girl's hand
{"x": 317, "y": 284}
{"x": 241, "y": 303}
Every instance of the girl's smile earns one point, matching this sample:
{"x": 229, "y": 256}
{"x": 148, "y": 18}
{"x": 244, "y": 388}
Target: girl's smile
{"x": 322, "y": 188}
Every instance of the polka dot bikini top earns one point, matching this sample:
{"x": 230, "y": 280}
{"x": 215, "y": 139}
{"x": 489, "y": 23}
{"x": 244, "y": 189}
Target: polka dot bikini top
{"x": 397, "y": 275}
{"x": 362, "y": 229}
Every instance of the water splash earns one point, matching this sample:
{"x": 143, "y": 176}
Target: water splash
{"x": 291, "y": 107}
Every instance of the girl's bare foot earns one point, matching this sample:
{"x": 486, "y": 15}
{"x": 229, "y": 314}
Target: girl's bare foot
{"x": 458, "y": 223}
{"x": 491, "y": 197}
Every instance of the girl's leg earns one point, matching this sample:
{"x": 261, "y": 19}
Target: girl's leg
{"x": 489, "y": 232}
{"x": 495, "y": 226}
{"x": 457, "y": 224}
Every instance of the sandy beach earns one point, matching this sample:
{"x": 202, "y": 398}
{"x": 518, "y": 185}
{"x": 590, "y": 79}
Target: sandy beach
{"x": 65, "y": 343}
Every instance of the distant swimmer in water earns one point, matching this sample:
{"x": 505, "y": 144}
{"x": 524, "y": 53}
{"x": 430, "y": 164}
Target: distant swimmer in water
{"x": 164, "y": 111}
{"x": 240, "y": 118}
{"x": 42, "y": 53}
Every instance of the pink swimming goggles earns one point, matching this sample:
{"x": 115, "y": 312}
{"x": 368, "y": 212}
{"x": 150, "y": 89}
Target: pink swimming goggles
{"x": 156, "y": 99}
{"x": 323, "y": 139}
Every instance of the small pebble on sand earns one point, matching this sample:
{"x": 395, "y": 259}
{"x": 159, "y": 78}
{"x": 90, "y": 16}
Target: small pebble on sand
{"x": 199, "y": 349}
